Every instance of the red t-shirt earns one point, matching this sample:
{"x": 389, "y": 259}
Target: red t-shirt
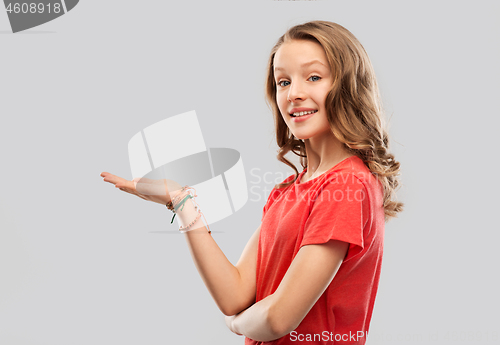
{"x": 344, "y": 204}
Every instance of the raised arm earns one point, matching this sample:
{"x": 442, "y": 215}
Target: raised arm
{"x": 232, "y": 287}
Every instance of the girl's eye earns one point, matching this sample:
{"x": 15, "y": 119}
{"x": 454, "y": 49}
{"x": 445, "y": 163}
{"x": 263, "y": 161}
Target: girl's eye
{"x": 281, "y": 83}
{"x": 316, "y": 78}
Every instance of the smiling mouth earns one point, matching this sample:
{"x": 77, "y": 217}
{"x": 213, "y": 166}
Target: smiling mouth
{"x": 302, "y": 113}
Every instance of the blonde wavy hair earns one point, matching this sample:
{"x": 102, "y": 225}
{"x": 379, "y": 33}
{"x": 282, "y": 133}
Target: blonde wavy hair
{"x": 353, "y": 107}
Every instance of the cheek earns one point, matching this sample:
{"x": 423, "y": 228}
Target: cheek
{"x": 281, "y": 100}
{"x": 323, "y": 95}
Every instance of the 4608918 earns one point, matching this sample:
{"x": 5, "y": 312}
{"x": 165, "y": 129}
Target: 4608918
{"x": 33, "y": 8}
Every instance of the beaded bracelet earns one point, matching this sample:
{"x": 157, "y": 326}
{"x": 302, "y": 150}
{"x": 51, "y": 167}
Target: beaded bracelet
{"x": 176, "y": 207}
{"x": 185, "y": 228}
{"x": 179, "y": 197}
{"x": 174, "y": 204}
{"x": 173, "y": 199}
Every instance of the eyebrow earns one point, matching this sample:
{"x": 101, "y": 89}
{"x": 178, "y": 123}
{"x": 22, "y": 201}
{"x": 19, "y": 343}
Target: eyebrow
{"x": 304, "y": 65}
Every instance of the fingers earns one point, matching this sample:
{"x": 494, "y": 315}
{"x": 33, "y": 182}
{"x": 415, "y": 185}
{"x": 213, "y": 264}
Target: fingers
{"x": 110, "y": 178}
{"x": 121, "y": 183}
{"x": 129, "y": 185}
{"x": 107, "y": 177}
{"x": 141, "y": 187}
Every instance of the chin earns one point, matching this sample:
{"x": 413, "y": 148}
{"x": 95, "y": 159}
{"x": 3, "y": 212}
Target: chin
{"x": 302, "y": 137}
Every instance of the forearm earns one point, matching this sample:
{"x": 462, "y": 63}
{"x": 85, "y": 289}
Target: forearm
{"x": 220, "y": 276}
{"x": 255, "y": 322}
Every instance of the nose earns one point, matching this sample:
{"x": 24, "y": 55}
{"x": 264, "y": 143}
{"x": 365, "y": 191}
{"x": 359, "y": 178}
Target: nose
{"x": 296, "y": 92}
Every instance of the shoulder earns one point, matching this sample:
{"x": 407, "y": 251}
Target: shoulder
{"x": 350, "y": 181}
{"x": 290, "y": 178}
{"x": 353, "y": 173}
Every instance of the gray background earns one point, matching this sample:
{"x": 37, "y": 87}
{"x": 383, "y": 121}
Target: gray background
{"x": 83, "y": 263}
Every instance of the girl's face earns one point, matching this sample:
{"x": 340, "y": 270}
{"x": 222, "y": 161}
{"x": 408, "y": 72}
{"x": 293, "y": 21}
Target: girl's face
{"x": 303, "y": 80}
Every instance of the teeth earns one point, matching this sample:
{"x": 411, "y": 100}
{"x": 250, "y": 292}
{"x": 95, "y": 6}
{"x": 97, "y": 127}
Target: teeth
{"x": 302, "y": 113}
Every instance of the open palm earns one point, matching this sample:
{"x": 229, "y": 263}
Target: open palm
{"x": 158, "y": 191}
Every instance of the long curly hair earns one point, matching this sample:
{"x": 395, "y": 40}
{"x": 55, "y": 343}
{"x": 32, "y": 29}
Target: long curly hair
{"x": 353, "y": 107}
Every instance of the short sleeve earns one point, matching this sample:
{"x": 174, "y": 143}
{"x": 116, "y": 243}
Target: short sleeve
{"x": 339, "y": 211}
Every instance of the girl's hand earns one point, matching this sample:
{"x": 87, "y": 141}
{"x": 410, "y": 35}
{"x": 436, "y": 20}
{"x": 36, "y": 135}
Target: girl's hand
{"x": 229, "y": 323}
{"x": 158, "y": 191}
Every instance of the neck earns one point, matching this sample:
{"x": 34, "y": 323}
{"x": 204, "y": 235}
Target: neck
{"x": 323, "y": 151}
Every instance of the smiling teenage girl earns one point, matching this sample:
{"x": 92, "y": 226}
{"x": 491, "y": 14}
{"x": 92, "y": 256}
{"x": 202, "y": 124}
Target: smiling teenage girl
{"x": 310, "y": 272}
{"x": 321, "y": 238}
